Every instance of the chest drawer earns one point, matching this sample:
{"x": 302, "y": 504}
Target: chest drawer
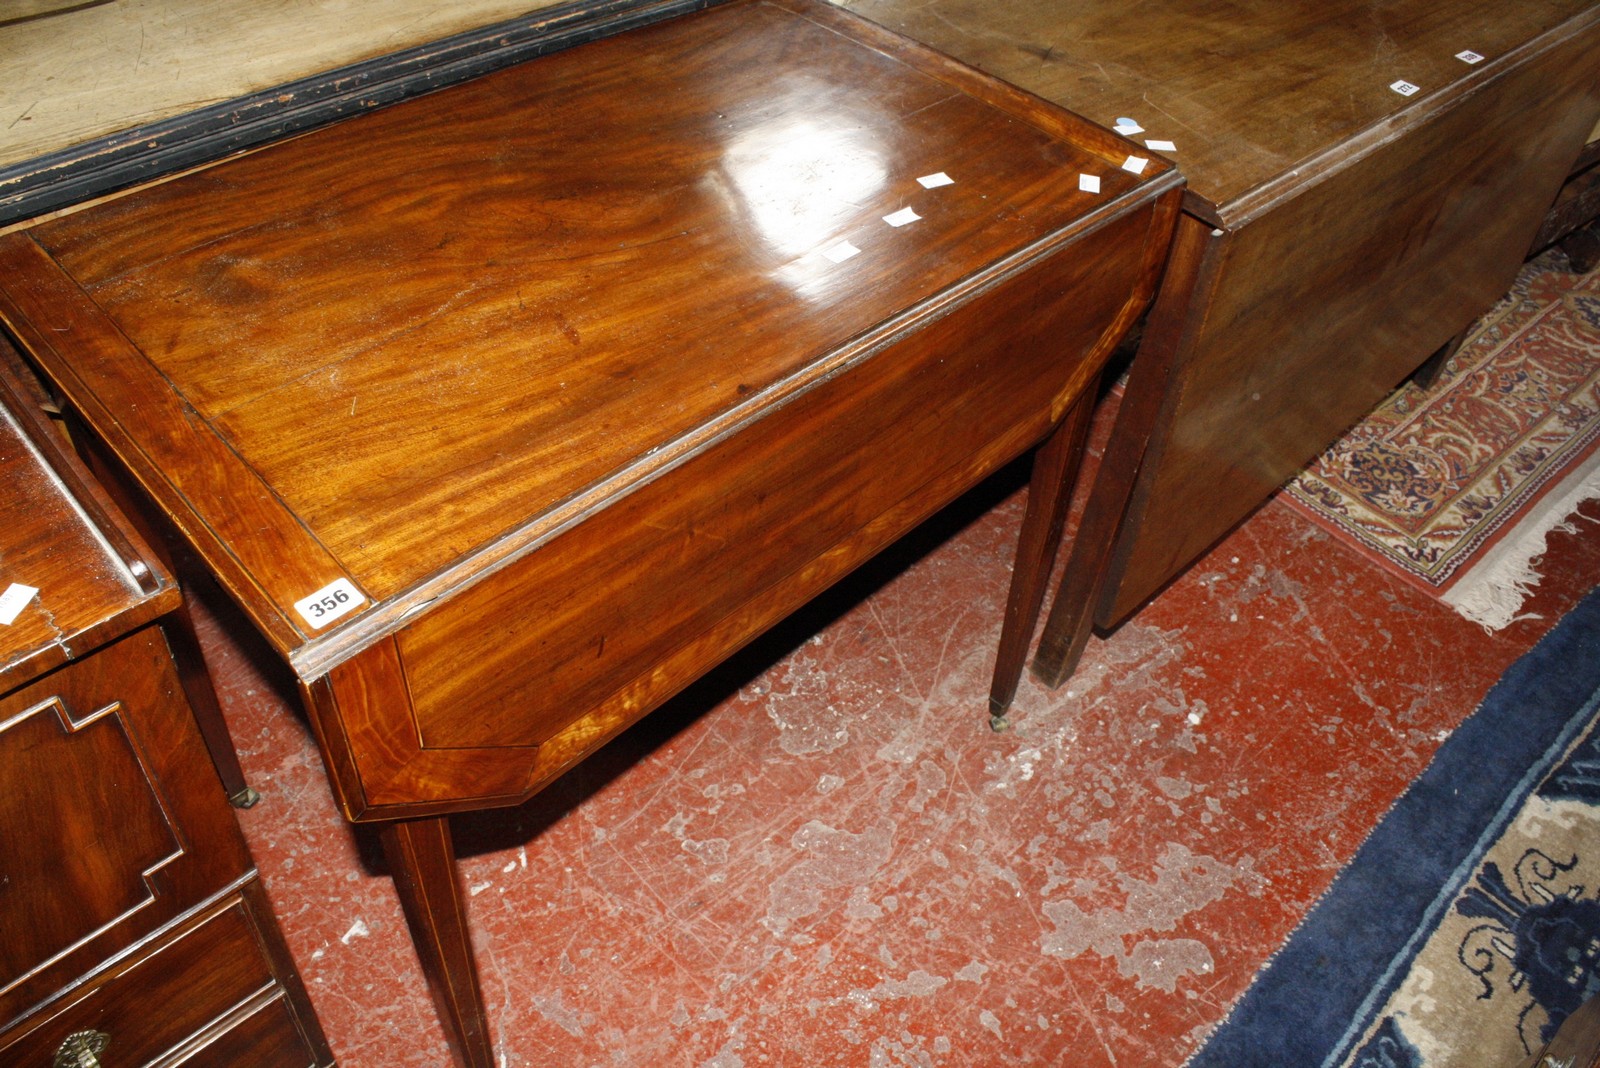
{"x": 204, "y": 994}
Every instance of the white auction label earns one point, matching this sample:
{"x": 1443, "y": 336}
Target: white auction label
{"x": 841, "y": 251}
{"x": 1089, "y": 183}
{"x": 1405, "y": 88}
{"x": 1135, "y": 164}
{"x": 1469, "y": 57}
{"x": 1161, "y": 146}
{"x": 14, "y": 600}
{"x": 337, "y": 598}
{"x": 1127, "y": 127}
{"x": 902, "y": 217}
{"x": 934, "y": 181}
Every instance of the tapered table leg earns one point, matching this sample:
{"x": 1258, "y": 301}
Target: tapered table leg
{"x": 1066, "y": 630}
{"x": 1072, "y": 613}
{"x": 202, "y": 694}
{"x": 1165, "y": 346}
{"x": 1425, "y": 376}
{"x": 1055, "y": 468}
{"x": 422, "y": 862}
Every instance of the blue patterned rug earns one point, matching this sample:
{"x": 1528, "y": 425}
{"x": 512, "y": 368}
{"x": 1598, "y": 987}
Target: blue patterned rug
{"x": 1468, "y": 925}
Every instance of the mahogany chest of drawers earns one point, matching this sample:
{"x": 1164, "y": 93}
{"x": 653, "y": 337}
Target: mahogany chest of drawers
{"x": 133, "y": 929}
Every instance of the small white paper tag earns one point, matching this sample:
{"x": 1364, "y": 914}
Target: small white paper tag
{"x": 1135, "y": 164}
{"x": 1161, "y": 146}
{"x": 1089, "y": 183}
{"x": 337, "y": 598}
{"x": 1404, "y": 88}
{"x": 840, "y": 251}
{"x": 1127, "y": 127}
{"x": 934, "y": 181}
{"x": 14, "y": 600}
{"x": 901, "y": 217}
{"x": 1469, "y": 56}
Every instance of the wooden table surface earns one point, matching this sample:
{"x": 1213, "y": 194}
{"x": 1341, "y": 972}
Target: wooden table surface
{"x": 508, "y": 411}
{"x": 538, "y": 344}
{"x": 406, "y": 351}
{"x": 1252, "y": 92}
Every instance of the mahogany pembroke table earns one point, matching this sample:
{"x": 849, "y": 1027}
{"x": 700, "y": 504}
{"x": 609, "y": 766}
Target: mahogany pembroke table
{"x": 506, "y": 412}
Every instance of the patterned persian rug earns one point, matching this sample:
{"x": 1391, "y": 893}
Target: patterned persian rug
{"x": 1467, "y": 927}
{"x": 1456, "y": 486}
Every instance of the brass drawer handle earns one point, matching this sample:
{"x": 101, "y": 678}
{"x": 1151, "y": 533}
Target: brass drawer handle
{"x": 81, "y": 1049}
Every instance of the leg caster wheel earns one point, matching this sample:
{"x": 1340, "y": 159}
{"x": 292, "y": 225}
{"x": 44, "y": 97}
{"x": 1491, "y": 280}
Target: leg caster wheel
{"x": 245, "y": 798}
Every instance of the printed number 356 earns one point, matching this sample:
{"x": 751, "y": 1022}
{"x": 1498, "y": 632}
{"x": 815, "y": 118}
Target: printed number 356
{"x": 323, "y": 606}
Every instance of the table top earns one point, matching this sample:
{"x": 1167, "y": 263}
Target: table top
{"x": 90, "y": 580}
{"x": 1254, "y": 94}
{"x": 386, "y": 357}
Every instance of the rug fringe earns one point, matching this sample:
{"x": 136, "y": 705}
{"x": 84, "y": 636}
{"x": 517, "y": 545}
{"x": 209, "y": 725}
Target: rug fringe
{"x": 1492, "y": 592}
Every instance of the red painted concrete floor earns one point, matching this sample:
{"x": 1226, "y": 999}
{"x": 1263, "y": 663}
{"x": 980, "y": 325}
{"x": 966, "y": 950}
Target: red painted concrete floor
{"x": 823, "y": 856}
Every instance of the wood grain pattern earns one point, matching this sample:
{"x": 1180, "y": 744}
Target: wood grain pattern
{"x": 219, "y": 505}
{"x": 173, "y": 996}
{"x": 106, "y": 811}
{"x": 422, "y": 860}
{"x": 76, "y": 523}
{"x": 533, "y": 303}
{"x": 114, "y": 822}
{"x": 797, "y": 480}
{"x": 1195, "y": 257}
{"x": 216, "y": 128}
{"x": 556, "y": 637}
{"x": 1050, "y": 486}
{"x": 265, "y": 1034}
{"x": 432, "y": 347}
{"x": 469, "y": 426}
{"x": 1249, "y": 90}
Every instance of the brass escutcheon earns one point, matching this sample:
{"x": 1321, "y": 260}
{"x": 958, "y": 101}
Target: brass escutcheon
{"x": 81, "y": 1049}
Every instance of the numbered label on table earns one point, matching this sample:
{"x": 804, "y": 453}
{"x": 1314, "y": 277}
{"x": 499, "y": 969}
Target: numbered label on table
{"x": 336, "y": 599}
